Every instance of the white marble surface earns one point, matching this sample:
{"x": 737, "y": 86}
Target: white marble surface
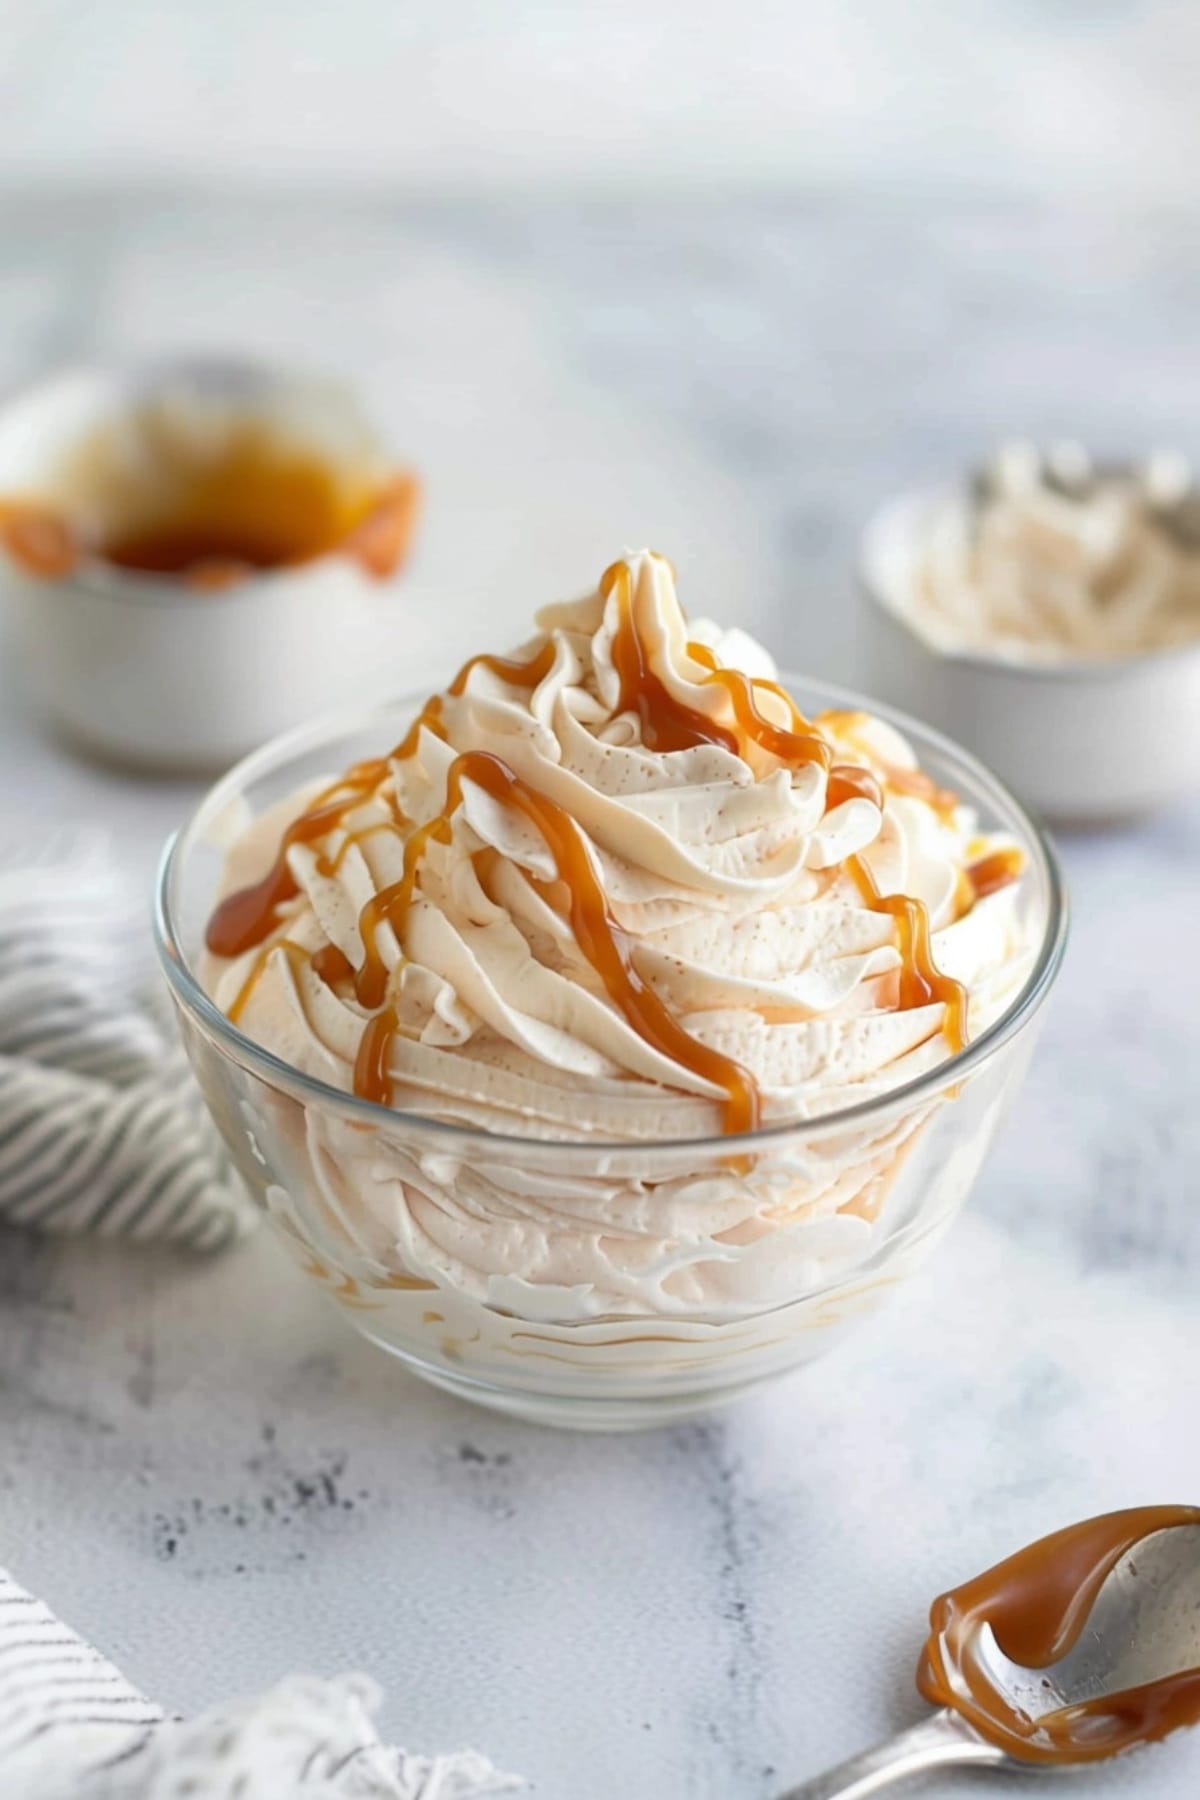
{"x": 202, "y": 1468}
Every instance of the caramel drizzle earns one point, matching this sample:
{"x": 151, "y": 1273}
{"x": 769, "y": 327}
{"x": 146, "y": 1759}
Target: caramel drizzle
{"x": 991, "y": 873}
{"x": 921, "y": 981}
{"x": 244, "y": 919}
{"x": 669, "y": 724}
{"x": 372, "y": 1080}
{"x": 295, "y": 954}
{"x": 1038, "y": 1604}
{"x": 895, "y": 779}
{"x": 602, "y": 941}
{"x": 331, "y": 965}
{"x": 920, "y": 786}
{"x": 517, "y": 674}
{"x": 676, "y": 726}
{"x": 987, "y": 875}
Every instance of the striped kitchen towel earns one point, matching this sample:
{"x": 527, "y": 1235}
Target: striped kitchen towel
{"x": 73, "y": 1728}
{"x": 102, "y": 1128}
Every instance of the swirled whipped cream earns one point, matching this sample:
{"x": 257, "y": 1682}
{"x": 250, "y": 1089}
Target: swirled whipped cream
{"x": 614, "y": 889}
{"x": 1055, "y": 559}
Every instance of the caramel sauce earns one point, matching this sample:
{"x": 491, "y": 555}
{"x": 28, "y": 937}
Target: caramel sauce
{"x": 331, "y": 965}
{"x": 38, "y": 539}
{"x": 390, "y": 906}
{"x": 895, "y": 779}
{"x": 294, "y": 953}
{"x": 428, "y": 719}
{"x": 919, "y": 786}
{"x": 381, "y": 538}
{"x": 991, "y": 873}
{"x": 603, "y": 942}
{"x": 243, "y": 919}
{"x": 261, "y": 504}
{"x": 371, "y": 1078}
{"x": 247, "y": 917}
{"x": 328, "y": 866}
{"x": 518, "y": 674}
{"x": 1038, "y": 1604}
{"x": 921, "y": 981}
{"x": 848, "y": 782}
{"x": 669, "y": 724}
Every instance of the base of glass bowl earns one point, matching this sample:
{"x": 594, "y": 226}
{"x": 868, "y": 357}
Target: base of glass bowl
{"x": 641, "y": 1412}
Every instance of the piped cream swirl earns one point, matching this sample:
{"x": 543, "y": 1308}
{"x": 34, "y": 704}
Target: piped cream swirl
{"x": 749, "y": 895}
{"x": 729, "y": 874}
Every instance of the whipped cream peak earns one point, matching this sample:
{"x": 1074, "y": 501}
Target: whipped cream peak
{"x": 615, "y": 884}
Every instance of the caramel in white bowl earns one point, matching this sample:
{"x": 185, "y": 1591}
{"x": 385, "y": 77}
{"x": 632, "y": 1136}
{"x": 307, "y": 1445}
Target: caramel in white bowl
{"x": 196, "y": 554}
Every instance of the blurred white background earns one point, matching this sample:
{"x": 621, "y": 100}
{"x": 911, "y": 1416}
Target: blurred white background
{"x": 1024, "y": 96}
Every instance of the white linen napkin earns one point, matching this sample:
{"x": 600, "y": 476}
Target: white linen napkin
{"x": 102, "y": 1128}
{"x": 73, "y": 1728}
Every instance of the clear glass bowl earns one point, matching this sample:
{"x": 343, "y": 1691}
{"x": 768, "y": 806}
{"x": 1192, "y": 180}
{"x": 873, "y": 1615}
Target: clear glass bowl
{"x": 854, "y": 1201}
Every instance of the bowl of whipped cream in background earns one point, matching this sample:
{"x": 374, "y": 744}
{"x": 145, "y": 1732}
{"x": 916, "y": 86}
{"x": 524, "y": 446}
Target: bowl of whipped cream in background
{"x": 607, "y": 1034}
{"x": 1048, "y": 615}
{"x": 196, "y": 553}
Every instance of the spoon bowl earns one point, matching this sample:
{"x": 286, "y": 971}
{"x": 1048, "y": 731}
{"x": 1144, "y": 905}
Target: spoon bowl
{"x": 1144, "y": 1626}
{"x": 1082, "y": 1646}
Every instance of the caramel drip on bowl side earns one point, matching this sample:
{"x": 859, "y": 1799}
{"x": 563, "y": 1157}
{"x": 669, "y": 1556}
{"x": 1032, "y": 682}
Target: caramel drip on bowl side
{"x": 1038, "y": 1604}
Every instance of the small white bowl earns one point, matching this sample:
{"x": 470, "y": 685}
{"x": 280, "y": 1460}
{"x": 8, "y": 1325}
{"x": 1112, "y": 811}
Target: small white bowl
{"x": 1081, "y": 742}
{"x": 142, "y": 667}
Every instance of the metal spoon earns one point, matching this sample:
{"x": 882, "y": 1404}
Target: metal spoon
{"x": 1142, "y": 1627}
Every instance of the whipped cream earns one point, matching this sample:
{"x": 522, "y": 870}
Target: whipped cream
{"x": 1053, "y": 560}
{"x": 748, "y": 895}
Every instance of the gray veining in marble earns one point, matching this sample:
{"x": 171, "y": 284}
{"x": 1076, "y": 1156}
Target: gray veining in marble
{"x": 220, "y": 1489}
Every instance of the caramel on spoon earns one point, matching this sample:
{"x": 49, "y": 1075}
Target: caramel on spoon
{"x": 1082, "y": 1646}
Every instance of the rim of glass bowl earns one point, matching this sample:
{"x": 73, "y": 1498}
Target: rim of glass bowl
{"x": 280, "y": 1074}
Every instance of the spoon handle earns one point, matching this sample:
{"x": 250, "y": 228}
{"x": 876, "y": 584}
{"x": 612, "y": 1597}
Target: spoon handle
{"x": 934, "y": 1743}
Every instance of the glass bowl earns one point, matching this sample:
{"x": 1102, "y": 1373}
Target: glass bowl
{"x": 848, "y": 1205}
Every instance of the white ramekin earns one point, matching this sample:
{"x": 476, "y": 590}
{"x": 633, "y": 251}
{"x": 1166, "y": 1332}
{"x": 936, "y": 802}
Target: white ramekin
{"x": 1081, "y": 742}
{"x": 147, "y": 670}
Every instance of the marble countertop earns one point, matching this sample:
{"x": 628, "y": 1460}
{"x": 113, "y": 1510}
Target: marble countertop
{"x": 203, "y": 1468}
